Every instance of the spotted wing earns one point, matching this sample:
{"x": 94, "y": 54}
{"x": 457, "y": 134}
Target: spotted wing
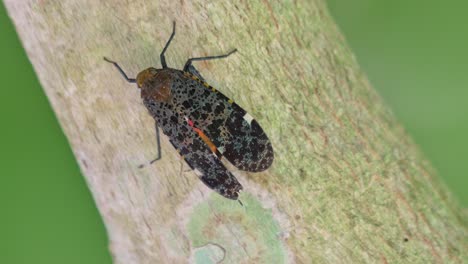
{"x": 200, "y": 158}
{"x": 238, "y": 137}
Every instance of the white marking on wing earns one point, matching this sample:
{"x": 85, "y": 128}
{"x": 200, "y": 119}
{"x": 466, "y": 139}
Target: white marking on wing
{"x": 248, "y": 118}
{"x": 221, "y": 150}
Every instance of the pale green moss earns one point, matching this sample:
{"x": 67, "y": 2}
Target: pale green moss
{"x": 249, "y": 229}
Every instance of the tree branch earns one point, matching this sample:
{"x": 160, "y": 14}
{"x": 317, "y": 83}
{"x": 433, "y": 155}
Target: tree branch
{"x": 347, "y": 184}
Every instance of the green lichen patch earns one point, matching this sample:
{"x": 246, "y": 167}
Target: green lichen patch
{"x": 249, "y": 229}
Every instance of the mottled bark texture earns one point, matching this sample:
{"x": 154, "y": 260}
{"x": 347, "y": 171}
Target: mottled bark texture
{"x": 347, "y": 185}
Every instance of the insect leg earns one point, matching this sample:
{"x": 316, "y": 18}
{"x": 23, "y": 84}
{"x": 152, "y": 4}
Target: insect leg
{"x": 130, "y": 80}
{"x": 189, "y": 61}
{"x": 162, "y": 57}
{"x": 158, "y": 141}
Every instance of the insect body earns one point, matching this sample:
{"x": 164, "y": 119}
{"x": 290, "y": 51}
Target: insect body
{"x": 203, "y": 124}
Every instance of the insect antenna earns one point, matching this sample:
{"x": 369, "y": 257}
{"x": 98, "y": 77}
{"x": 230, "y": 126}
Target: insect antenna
{"x": 130, "y": 80}
{"x": 163, "y": 58}
{"x": 189, "y": 61}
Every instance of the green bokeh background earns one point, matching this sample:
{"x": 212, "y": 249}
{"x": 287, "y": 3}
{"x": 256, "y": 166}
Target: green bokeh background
{"x": 414, "y": 52}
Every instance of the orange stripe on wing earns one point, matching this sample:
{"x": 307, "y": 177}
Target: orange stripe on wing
{"x": 205, "y": 138}
{"x": 210, "y": 143}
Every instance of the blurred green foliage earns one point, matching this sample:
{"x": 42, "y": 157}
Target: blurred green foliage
{"x": 414, "y": 52}
{"x": 47, "y": 212}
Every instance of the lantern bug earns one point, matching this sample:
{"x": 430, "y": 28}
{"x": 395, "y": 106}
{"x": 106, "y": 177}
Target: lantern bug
{"x": 202, "y": 124}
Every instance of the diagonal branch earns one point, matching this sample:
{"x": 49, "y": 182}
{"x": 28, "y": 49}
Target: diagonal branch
{"x": 347, "y": 184}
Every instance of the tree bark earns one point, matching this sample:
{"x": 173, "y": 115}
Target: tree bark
{"x": 347, "y": 184}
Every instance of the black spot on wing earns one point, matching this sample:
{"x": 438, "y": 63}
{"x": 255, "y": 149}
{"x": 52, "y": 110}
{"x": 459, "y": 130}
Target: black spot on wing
{"x": 243, "y": 142}
{"x": 202, "y": 160}
{"x": 246, "y": 145}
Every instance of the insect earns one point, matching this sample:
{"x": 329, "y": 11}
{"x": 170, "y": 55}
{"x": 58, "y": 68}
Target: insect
{"x": 202, "y": 124}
